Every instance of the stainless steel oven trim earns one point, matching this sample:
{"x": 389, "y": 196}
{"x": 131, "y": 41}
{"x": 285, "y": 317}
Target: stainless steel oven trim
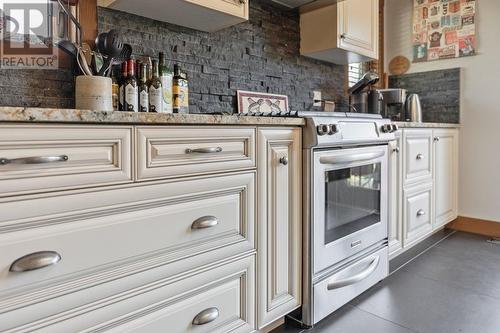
{"x": 322, "y": 254}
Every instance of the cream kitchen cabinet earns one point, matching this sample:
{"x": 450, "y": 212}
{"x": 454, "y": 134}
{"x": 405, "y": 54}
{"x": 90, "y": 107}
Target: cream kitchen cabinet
{"x": 445, "y": 176}
{"x": 342, "y": 33}
{"x": 205, "y": 15}
{"x": 195, "y": 228}
{"x": 395, "y": 196}
{"x": 279, "y": 226}
{"x": 424, "y": 185}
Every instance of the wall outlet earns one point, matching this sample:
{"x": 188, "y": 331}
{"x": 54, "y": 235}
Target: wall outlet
{"x": 316, "y": 97}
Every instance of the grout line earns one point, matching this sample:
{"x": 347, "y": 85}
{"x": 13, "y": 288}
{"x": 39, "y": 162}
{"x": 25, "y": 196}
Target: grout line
{"x": 385, "y": 319}
{"x": 421, "y": 253}
{"x": 456, "y": 286}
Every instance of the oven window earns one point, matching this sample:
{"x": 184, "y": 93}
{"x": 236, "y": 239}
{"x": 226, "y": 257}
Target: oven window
{"x": 352, "y": 200}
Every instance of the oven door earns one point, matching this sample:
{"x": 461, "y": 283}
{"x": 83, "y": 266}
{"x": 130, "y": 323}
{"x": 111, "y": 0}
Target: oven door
{"x": 350, "y": 202}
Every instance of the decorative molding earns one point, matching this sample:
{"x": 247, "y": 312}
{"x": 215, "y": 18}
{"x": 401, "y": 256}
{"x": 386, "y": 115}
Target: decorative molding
{"x": 135, "y": 292}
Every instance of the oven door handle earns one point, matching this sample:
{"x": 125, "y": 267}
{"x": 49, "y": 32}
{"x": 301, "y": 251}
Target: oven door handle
{"x": 343, "y": 159}
{"x": 335, "y": 284}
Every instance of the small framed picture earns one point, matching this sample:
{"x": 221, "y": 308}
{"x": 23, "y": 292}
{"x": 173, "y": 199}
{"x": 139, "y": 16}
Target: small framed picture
{"x": 250, "y": 102}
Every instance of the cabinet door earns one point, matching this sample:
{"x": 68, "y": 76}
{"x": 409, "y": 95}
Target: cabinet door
{"x": 445, "y": 176}
{"x": 279, "y": 223}
{"x": 395, "y": 187}
{"x": 357, "y": 26}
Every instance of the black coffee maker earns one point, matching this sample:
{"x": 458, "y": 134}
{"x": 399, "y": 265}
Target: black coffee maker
{"x": 363, "y": 98}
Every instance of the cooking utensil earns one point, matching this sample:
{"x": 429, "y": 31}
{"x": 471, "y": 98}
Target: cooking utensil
{"x": 109, "y": 45}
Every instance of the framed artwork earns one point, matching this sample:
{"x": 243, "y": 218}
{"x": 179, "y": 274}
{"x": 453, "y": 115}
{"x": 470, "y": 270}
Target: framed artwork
{"x": 443, "y": 29}
{"x": 249, "y": 101}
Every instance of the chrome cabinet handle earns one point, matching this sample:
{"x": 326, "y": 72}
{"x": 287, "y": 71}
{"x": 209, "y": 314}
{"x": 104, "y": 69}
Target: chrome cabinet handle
{"x": 206, "y": 316}
{"x": 204, "y": 150}
{"x": 343, "y": 36}
{"x": 420, "y": 212}
{"x": 204, "y": 222}
{"x": 350, "y": 158}
{"x": 396, "y": 150}
{"x": 284, "y": 160}
{"x": 437, "y": 138}
{"x": 420, "y": 157}
{"x": 35, "y": 260}
{"x": 34, "y": 160}
{"x": 335, "y": 284}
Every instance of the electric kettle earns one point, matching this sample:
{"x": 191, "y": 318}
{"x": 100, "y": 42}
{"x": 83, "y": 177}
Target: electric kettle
{"x": 413, "y": 109}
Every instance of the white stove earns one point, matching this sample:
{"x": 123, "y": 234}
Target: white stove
{"x": 345, "y": 208}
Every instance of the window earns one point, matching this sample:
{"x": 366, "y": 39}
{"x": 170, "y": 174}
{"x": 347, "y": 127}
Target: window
{"x": 355, "y": 71}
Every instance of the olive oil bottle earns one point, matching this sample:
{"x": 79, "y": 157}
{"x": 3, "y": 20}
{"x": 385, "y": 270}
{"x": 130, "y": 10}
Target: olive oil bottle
{"x": 180, "y": 91}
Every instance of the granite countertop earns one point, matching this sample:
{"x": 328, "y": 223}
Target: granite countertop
{"x": 406, "y": 124}
{"x": 47, "y": 115}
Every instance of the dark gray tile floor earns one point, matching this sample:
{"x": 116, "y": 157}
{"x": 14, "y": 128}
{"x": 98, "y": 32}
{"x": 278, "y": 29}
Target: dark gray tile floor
{"x": 453, "y": 287}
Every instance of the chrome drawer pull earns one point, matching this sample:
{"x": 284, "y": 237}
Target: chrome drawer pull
{"x": 420, "y": 157}
{"x": 206, "y": 316}
{"x": 284, "y": 160}
{"x": 355, "y": 278}
{"x": 34, "y": 160}
{"x": 204, "y": 150}
{"x": 205, "y": 222}
{"x": 420, "y": 212}
{"x": 35, "y": 260}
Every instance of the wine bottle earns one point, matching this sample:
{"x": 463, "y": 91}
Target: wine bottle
{"x": 155, "y": 90}
{"x": 143, "y": 88}
{"x": 121, "y": 92}
{"x": 131, "y": 88}
{"x": 166, "y": 77}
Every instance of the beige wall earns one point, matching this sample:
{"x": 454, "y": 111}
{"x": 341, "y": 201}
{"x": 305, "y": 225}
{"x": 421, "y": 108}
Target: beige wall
{"x": 479, "y": 177}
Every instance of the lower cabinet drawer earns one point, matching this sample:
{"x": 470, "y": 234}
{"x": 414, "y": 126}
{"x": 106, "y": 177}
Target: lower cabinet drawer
{"x": 45, "y": 158}
{"x": 417, "y": 205}
{"x": 219, "y": 299}
{"x": 339, "y": 288}
{"x": 163, "y": 222}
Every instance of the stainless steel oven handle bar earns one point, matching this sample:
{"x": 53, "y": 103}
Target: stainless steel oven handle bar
{"x": 335, "y": 284}
{"x": 343, "y": 159}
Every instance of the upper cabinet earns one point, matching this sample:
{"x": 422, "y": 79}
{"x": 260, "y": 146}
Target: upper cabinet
{"x": 205, "y": 15}
{"x": 341, "y": 33}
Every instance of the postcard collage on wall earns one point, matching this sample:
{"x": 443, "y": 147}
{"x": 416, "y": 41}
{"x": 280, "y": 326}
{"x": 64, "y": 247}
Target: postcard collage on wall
{"x": 443, "y": 29}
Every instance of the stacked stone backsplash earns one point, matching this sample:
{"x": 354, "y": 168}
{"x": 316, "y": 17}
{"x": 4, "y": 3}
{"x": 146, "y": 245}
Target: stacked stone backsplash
{"x": 439, "y": 93}
{"x": 260, "y": 55}
{"x": 37, "y": 88}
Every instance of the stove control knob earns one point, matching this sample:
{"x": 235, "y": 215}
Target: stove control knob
{"x": 386, "y": 128}
{"x": 322, "y": 129}
{"x": 332, "y": 129}
{"x": 394, "y": 127}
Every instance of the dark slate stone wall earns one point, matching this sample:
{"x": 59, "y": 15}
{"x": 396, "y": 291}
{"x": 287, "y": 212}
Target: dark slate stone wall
{"x": 260, "y": 55}
{"x": 36, "y": 88}
{"x": 439, "y": 93}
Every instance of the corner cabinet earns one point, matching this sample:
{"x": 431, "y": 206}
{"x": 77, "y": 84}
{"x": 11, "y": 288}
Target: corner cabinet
{"x": 279, "y": 227}
{"x": 342, "y": 33}
{"x": 204, "y": 15}
{"x": 424, "y": 185}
